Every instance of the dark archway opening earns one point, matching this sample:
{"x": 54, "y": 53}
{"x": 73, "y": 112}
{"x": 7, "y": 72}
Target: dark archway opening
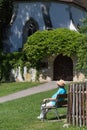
{"x": 63, "y": 68}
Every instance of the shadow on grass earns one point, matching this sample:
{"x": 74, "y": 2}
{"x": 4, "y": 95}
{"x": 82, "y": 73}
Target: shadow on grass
{"x": 61, "y": 117}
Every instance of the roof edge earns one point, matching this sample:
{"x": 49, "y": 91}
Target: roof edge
{"x": 80, "y": 3}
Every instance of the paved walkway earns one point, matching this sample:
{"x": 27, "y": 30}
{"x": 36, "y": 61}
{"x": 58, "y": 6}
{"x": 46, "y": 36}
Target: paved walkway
{"x": 41, "y": 88}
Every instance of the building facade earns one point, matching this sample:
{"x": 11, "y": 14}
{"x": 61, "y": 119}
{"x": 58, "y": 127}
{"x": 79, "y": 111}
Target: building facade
{"x": 31, "y": 15}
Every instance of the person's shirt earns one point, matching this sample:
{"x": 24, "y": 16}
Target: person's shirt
{"x": 61, "y": 90}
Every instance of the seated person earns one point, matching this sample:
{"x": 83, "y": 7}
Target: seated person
{"x": 52, "y": 100}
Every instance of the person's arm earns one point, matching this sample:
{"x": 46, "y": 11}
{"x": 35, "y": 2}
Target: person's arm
{"x": 49, "y": 99}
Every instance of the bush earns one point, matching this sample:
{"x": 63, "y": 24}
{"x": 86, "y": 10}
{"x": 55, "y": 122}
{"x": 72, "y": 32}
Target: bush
{"x": 47, "y": 43}
{"x": 43, "y": 44}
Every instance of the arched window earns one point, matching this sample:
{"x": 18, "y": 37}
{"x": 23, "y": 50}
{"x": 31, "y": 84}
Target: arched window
{"x": 29, "y": 28}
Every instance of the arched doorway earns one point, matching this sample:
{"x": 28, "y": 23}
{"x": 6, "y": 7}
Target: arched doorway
{"x": 63, "y": 68}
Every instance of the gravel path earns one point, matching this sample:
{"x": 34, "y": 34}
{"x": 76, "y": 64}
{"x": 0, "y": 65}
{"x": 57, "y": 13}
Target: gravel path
{"x": 41, "y": 88}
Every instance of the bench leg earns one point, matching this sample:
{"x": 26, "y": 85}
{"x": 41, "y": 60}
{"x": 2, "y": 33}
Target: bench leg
{"x": 49, "y": 110}
{"x": 56, "y": 112}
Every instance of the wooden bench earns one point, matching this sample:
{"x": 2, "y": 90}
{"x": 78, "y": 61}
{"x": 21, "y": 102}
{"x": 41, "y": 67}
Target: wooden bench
{"x": 59, "y": 104}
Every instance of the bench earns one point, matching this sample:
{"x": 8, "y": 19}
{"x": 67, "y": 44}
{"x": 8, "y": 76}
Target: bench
{"x": 59, "y": 104}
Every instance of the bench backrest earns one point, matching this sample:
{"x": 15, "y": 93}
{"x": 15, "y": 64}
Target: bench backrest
{"x": 64, "y": 100}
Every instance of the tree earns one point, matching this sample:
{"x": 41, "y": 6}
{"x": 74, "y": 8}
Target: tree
{"x": 82, "y": 55}
{"x": 6, "y": 7}
{"x": 82, "y": 51}
{"x": 83, "y": 28}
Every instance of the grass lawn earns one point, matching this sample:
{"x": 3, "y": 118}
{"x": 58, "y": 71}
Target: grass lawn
{"x": 21, "y": 114}
{"x": 8, "y": 88}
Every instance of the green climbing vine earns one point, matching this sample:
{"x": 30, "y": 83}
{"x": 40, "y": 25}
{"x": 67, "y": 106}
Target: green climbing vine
{"x": 43, "y": 44}
{"x": 46, "y": 43}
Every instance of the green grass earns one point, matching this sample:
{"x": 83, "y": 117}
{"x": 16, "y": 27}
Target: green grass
{"x": 8, "y": 88}
{"x": 21, "y": 114}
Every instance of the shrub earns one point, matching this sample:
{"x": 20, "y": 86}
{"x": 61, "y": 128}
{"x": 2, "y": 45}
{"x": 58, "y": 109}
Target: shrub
{"x": 46, "y": 43}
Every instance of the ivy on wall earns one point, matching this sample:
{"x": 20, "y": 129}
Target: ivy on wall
{"x": 43, "y": 44}
{"x": 82, "y": 54}
{"x": 47, "y": 43}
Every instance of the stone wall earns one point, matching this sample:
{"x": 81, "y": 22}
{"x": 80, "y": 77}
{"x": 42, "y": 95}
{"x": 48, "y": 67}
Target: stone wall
{"x": 45, "y": 74}
{"x": 19, "y": 75}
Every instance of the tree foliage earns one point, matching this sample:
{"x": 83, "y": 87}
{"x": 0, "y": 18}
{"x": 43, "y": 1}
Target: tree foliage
{"x": 82, "y": 54}
{"x": 83, "y": 28}
{"x": 6, "y": 7}
{"x": 43, "y": 44}
{"x": 47, "y": 43}
{"x": 82, "y": 51}
{"x": 9, "y": 61}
